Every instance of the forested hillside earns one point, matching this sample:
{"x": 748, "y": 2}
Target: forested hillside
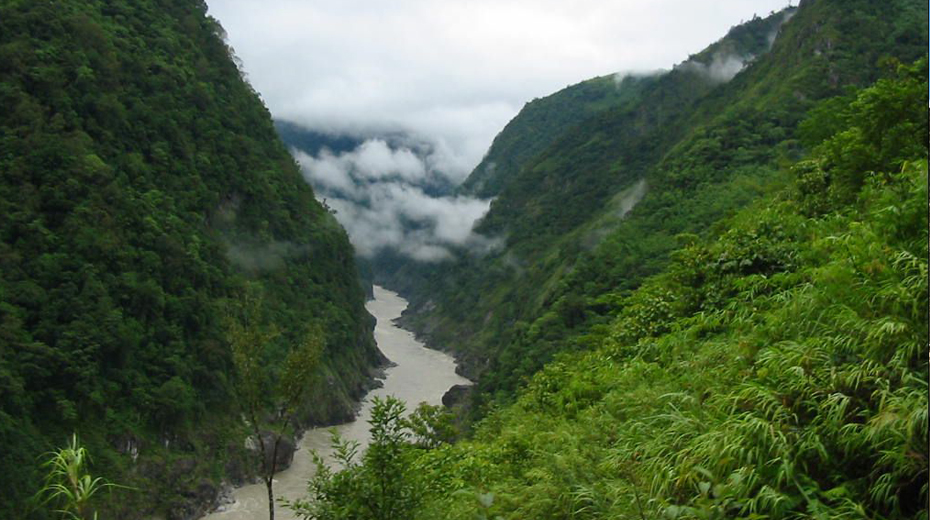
{"x": 601, "y": 208}
{"x": 143, "y": 189}
{"x": 775, "y": 368}
{"x": 543, "y": 122}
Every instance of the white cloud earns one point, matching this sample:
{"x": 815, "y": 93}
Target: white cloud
{"x": 374, "y": 160}
{"x": 722, "y": 67}
{"x": 328, "y": 171}
{"x": 446, "y": 75}
{"x": 376, "y": 193}
{"x": 454, "y": 72}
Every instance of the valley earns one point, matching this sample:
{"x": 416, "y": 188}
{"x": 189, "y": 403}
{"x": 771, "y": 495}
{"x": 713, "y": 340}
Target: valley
{"x": 416, "y": 375}
{"x": 685, "y": 288}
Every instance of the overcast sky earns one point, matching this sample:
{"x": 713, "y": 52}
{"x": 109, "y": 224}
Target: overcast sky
{"x": 454, "y": 72}
{"x": 448, "y": 75}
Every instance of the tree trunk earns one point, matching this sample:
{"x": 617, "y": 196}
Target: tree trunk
{"x": 269, "y": 482}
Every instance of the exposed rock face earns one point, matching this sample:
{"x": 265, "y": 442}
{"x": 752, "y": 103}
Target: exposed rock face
{"x": 198, "y": 500}
{"x": 240, "y": 467}
{"x": 127, "y": 444}
{"x": 285, "y": 451}
{"x": 456, "y": 395}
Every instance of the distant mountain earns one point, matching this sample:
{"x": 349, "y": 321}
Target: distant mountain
{"x": 543, "y": 121}
{"x": 311, "y": 142}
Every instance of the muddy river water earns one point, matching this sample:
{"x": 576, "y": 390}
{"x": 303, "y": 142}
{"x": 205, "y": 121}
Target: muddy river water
{"x": 420, "y": 375}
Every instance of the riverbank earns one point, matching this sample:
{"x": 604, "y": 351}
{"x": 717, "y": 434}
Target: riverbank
{"x": 418, "y": 374}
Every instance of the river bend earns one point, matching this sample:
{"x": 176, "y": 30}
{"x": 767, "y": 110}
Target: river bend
{"x": 419, "y": 375}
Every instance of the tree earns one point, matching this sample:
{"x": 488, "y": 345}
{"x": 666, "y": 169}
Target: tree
{"x": 382, "y": 486}
{"x": 259, "y": 385}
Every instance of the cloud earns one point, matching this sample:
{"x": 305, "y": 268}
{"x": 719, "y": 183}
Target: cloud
{"x": 620, "y": 77}
{"x": 631, "y": 197}
{"x": 378, "y": 195}
{"x": 774, "y": 33}
{"x": 374, "y": 160}
{"x": 254, "y": 257}
{"x": 327, "y": 173}
{"x": 407, "y": 220}
{"x": 722, "y": 68}
{"x": 453, "y": 73}
{"x": 427, "y": 85}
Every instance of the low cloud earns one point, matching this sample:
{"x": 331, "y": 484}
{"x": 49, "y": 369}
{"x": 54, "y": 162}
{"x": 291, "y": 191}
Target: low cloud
{"x": 344, "y": 174}
{"x": 620, "y": 77}
{"x": 256, "y": 258}
{"x": 722, "y": 68}
{"x": 379, "y": 194}
{"x": 631, "y": 197}
{"x": 773, "y": 34}
{"x": 452, "y": 73}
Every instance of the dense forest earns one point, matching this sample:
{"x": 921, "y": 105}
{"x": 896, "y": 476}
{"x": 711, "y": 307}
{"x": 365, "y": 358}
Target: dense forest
{"x": 776, "y": 367}
{"x": 142, "y": 189}
{"x": 598, "y": 210}
{"x": 710, "y": 299}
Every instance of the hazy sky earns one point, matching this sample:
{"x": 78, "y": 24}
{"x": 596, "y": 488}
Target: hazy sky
{"x": 448, "y": 75}
{"x": 453, "y": 72}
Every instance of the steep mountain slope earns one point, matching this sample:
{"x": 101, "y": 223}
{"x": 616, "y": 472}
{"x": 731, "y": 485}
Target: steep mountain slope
{"x": 776, "y": 368}
{"x": 143, "y": 186}
{"x": 544, "y": 121}
{"x": 599, "y": 209}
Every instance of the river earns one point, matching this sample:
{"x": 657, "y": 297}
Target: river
{"x": 420, "y": 374}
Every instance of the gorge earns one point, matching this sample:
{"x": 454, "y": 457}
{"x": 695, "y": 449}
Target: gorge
{"x": 416, "y": 375}
{"x": 692, "y": 289}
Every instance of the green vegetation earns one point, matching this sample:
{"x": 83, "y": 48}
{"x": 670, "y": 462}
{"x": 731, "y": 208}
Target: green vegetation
{"x": 602, "y": 207}
{"x": 711, "y": 301}
{"x": 543, "y": 122}
{"x": 776, "y": 368}
{"x": 68, "y": 485}
{"x": 382, "y": 486}
{"x": 142, "y": 187}
{"x": 256, "y": 386}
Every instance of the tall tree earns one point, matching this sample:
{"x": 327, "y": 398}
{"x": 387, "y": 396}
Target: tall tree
{"x": 250, "y": 338}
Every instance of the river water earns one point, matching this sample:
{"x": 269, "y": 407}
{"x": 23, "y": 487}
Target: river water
{"x": 420, "y": 375}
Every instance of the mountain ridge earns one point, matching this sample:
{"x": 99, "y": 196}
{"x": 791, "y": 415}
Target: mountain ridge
{"x": 709, "y": 160}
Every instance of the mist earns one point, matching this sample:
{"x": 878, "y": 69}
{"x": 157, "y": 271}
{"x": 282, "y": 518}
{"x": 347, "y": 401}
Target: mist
{"x": 259, "y": 258}
{"x": 722, "y": 68}
{"x": 379, "y": 193}
{"x": 452, "y": 73}
{"x": 446, "y": 77}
